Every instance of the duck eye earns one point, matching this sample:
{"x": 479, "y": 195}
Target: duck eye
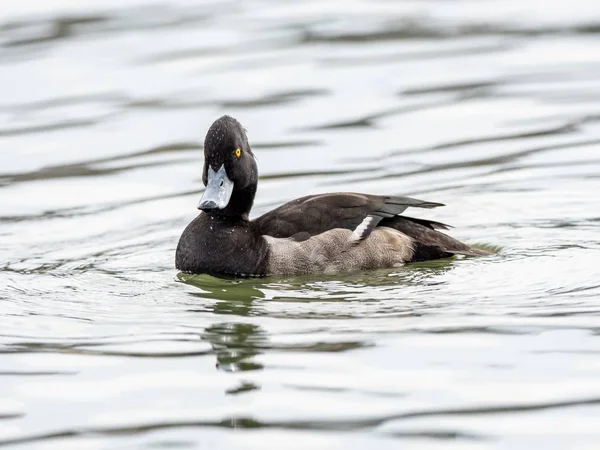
{"x": 238, "y": 152}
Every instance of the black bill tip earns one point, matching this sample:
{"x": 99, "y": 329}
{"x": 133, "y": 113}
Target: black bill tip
{"x": 207, "y": 205}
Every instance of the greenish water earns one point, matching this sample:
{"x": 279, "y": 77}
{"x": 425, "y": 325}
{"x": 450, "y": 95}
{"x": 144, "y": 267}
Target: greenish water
{"x": 489, "y": 107}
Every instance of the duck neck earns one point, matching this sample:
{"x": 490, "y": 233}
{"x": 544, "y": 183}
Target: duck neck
{"x": 240, "y": 204}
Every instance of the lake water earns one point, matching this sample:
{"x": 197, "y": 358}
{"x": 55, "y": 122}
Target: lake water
{"x": 491, "y": 107}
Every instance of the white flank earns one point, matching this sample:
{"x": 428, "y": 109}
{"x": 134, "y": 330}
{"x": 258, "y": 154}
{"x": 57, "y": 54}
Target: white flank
{"x": 360, "y": 230}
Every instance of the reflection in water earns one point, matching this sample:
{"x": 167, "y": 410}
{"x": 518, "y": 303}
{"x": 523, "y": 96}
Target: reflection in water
{"x": 239, "y": 296}
{"x": 234, "y": 297}
{"x": 236, "y": 345}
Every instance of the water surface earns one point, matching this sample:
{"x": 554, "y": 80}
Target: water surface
{"x": 491, "y": 107}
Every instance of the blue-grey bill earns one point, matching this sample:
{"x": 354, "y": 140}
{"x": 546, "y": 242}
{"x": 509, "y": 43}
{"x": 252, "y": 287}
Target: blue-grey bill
{"x": 218, "y": 190}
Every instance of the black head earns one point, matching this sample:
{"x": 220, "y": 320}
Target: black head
{"x": 230, "y": 173}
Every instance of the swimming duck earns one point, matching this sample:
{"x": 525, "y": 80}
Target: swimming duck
{"x": 327, "y": 233}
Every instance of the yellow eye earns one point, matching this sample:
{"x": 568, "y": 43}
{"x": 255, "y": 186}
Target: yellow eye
{"x": 238, "y": 152}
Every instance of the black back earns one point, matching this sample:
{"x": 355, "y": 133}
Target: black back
{"x": 315, "y": 214}
{"x": 312, "y": 215}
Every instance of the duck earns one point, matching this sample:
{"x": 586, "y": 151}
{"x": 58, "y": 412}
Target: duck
{"x": 330, "y": 233}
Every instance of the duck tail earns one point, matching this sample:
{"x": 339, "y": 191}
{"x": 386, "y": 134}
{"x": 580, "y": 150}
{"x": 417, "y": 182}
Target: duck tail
{"x": 429, "y": 243}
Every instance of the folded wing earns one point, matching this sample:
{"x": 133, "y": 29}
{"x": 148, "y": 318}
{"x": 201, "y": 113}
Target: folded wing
{"x": 315, "y": 214}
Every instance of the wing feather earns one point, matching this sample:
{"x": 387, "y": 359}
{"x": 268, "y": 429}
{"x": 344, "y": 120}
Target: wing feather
{"x": 316, "y": 214}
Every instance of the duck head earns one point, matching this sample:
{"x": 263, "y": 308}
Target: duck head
{"x": 230, "y": 173}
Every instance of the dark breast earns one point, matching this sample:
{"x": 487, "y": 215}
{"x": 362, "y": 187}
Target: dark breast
{"x": 216, "y": 246}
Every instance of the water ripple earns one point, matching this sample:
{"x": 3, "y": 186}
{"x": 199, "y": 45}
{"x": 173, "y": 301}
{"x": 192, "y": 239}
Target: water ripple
{"x": 491, "y": 109}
